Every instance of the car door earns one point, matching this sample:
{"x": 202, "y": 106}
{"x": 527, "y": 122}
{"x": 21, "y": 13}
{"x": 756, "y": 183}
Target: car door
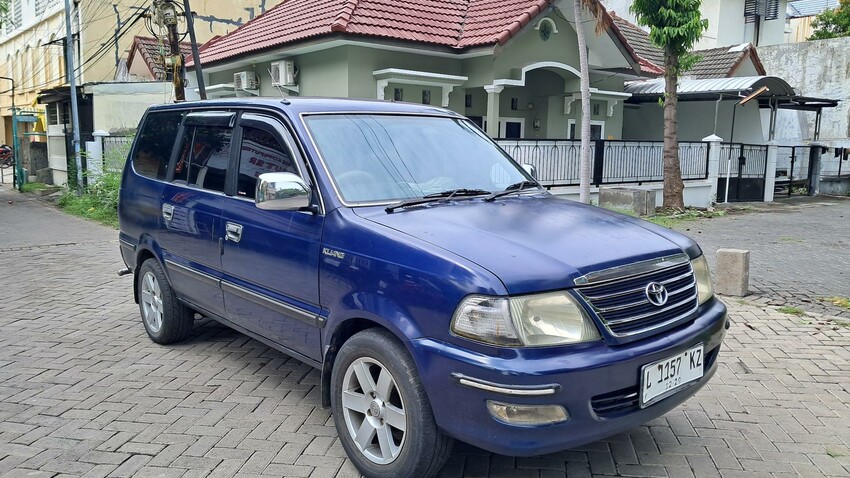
{"x": 190, "y": 222}
{"x": 271, "y": 258}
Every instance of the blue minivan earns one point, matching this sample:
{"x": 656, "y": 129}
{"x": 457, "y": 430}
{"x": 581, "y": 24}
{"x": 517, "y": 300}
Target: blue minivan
{"x": 440, "y": 290}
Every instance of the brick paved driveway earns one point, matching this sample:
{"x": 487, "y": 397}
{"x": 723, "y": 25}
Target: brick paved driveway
{"x": 800, "y": 248}
{"x": 83, "y": 392}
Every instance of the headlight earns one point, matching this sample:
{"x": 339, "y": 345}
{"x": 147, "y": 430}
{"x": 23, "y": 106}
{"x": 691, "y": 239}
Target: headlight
{"x": 704, "y": 288}
{"x": 535, "y": 320}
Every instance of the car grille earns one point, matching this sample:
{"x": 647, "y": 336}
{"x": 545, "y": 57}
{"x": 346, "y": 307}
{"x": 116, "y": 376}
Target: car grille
{"x": 627, "y": 400}
{"x": 618, "y": 296}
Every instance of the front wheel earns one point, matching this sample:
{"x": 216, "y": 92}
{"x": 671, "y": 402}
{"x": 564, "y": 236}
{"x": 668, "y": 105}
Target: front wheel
{"x": 381, "y": 411}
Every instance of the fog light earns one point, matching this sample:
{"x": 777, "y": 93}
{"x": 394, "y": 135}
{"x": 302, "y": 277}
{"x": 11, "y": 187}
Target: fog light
{"x": 527, "y": 414}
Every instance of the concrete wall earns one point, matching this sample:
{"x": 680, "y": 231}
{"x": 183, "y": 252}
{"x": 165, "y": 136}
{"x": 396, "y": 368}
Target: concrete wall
{"x": 819, "y": 68}
{"x": 696, "y": 193}
{"x": 121, "y": 105}
{"x": 696, "y": 121}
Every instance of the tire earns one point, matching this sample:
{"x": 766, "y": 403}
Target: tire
{"x": 375, "y": 357}
{"x": 166, "y": 320}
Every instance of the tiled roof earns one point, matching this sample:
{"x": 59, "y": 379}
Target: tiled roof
{"x": 454, "y": 24}
{"x": 153, "y": 54}
{"x": 722, "y": 62}
{"x": 639, "y": 40}
{"x": 714, "y": 63}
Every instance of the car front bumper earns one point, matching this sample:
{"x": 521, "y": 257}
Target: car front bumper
{"x": 598, "y": 385}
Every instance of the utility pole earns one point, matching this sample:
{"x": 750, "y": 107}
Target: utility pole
{"x": 199, "y": 71}
{"x": 18, "y": 176}
{"x": 167, "y": 16}
{"x": 72, "y": 80}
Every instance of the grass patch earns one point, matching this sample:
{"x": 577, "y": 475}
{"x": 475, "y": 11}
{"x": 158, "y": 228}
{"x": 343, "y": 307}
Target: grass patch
{"x": 30, "y": 187}
{"x": 792, "y": 311}
{"x": 673, "y": 219}
{"x": 835, "y": 453}
{"x": 99, "y": 201}
{"x": 842, "y": 302}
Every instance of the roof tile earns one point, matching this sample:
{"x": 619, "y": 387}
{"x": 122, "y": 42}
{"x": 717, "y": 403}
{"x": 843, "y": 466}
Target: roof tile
{"x": 452, "y": 23}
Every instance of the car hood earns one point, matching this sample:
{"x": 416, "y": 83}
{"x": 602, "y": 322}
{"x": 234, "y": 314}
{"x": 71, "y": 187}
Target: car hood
{"x": 533, "y": 242}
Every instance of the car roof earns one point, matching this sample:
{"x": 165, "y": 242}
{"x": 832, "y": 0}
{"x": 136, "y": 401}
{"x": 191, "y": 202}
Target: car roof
{"x": 307, "y": 105}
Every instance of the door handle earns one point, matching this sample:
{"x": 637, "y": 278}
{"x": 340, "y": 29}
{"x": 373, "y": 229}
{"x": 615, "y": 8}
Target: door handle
{"x": 233, "y": 232}
{"x": 167, "y": 212}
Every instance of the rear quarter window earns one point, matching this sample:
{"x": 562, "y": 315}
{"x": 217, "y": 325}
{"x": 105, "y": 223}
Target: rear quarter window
{"x": 155, "y": 142}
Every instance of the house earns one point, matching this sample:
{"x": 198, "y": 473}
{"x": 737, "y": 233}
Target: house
{"x": 32, "y": 51}
{"x": 800, "y": 15}
{"x": 512, "y": 67}
{"x": 731, "y": 22}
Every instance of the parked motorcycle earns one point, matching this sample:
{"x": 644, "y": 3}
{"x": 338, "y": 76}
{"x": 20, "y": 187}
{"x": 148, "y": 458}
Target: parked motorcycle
{"x": 7, "y": 159}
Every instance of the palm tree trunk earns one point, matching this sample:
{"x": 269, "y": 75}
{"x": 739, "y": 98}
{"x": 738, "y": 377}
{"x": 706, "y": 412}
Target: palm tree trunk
{"x": 673, "y": 185}
{"x": 584, "y": 158}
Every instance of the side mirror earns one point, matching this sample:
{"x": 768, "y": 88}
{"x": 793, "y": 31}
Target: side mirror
{"x": 530, "y": 169}
{"x": 282, "y": 192}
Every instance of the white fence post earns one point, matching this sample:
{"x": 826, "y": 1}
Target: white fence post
{"x": 94, "y": 158}
{"x": 713, "y": 163}
{"x": 770, "y": 171}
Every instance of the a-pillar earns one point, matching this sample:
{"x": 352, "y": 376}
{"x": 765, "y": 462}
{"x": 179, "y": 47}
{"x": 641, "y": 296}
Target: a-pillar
{"x": 713, "y": 163}
{"x": 770, "y": 171}
{"x": 493, "y": 109}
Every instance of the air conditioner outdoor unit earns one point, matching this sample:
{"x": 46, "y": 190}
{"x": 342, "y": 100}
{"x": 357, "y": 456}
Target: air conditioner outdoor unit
{"x": 245, "y": 80}
{"x": 283, "y": 73}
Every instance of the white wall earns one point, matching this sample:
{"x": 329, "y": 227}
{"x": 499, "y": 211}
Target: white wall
{"x": 818, "y": 68}
{"x": 121, "y": 105}
{"x": 696, "y": 121}
{"x": 696, "y": 193}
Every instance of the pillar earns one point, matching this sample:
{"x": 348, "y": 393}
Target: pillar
{"x": 493, "y": 93}
{"x": 770, "y": 171}
{"x": 713, "y": 163}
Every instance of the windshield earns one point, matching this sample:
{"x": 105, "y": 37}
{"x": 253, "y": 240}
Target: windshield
{"x": 385, "y": 158}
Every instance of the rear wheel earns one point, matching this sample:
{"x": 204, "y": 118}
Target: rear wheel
{"x": 166, "y": 320}
{"x": 381, "y": 411}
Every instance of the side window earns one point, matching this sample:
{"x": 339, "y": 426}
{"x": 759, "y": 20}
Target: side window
{"x": 260, "y": 152}
{"x": 204, "y": 157}
{"x": 154, "y": 144}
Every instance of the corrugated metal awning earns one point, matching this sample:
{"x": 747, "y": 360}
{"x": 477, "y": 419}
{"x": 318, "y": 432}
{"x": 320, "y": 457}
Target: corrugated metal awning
{"x": 650, "y": 90}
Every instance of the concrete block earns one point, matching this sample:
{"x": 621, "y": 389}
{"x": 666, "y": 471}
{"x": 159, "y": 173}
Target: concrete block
{"x": 44, "y": 175}
{"x": 732, "y": 272}
{"x": 639, "y": 201}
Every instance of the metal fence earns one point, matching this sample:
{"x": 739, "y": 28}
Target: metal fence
{"x": 612, "y": 161}
{"x": 750, "y": 160}
{"x": 115, "y": 150}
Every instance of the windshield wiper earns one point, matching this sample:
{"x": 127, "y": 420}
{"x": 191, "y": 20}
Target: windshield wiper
{"x": 440, "y": 196}
{"x": 513, "y": 188}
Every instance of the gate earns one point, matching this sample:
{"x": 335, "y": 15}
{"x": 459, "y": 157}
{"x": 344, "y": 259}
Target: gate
{"x": 792, "y": 170}
{"x": 744, "y": 167}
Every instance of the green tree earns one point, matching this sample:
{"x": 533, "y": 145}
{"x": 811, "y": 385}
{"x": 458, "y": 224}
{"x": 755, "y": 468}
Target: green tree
{"x": 584, "y": 158}
{"x": 832, "y": 23}
{"x": 674, "y": 26}
{"x": 4, "y": 11}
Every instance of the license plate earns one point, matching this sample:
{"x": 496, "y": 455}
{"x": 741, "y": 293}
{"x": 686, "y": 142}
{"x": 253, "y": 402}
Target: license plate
{"x": 662, "y": 378}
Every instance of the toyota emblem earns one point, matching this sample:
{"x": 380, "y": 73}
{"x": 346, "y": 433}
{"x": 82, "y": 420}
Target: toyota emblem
{"x": 656, "y": 293}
